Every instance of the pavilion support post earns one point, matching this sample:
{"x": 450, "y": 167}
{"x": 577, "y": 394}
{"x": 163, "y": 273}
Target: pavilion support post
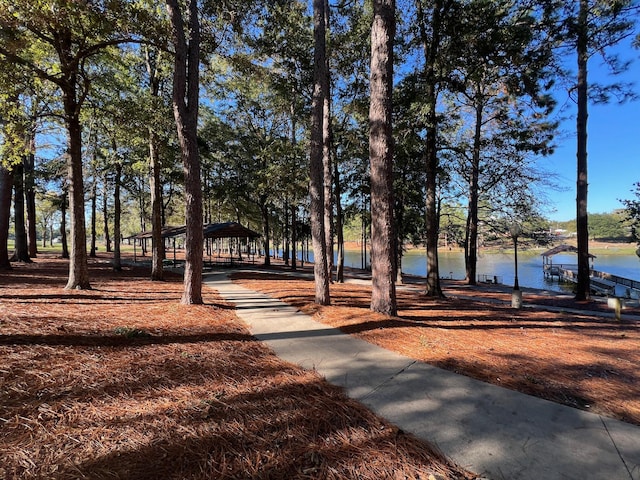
{"x": 175, "y": 263}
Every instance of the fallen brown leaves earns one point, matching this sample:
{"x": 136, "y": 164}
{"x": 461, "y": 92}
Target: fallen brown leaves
{"x": 123, "y": 382}
{"x": 578, "y": 360}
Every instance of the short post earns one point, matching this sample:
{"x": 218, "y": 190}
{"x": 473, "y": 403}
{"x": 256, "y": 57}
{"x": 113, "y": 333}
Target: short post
{"x": 516, "y": 294}
{"x": 516, "y": 299}
{"x": 617, "y": 304}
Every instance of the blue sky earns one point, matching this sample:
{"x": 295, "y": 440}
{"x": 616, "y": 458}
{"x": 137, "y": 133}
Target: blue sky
{"x": 613, "y": 150}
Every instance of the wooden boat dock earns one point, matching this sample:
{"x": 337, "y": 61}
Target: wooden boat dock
{"x": 601, "y": 283}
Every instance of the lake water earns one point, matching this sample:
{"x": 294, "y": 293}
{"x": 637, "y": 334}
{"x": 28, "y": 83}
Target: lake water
{"x": 502, "y": 265}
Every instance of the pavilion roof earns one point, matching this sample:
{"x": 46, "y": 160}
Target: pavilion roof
{"x": 210, "y": 230}
{"x": 562, "y": 248}
{"x": 228, "y": 230}
{"x": 166, "y": 232}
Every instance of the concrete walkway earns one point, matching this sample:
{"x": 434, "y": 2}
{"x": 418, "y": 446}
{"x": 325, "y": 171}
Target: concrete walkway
{"x": 494, "y": 432}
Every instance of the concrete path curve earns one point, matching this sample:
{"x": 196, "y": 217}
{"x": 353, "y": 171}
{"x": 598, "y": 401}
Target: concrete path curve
{"x": 496, "y": 433}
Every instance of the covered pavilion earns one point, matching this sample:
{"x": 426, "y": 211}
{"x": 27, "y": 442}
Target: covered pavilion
{"x": 231, "y": 250}
{"x": 226, "y": 252}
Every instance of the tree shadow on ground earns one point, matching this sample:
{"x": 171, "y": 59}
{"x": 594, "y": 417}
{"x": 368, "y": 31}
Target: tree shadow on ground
{"x": 220, "y": 408}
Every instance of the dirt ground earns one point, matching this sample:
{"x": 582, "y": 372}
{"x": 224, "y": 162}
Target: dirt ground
{"x": 123, "y": 382}
{"x": 577, "y": 359}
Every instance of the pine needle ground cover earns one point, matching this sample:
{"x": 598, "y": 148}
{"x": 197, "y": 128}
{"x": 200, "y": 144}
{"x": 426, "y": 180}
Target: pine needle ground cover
{"x": 580, "y": 360}
{"x": 122, "y": 382}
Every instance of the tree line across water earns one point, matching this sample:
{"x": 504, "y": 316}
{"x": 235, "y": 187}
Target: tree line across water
{"x": 419, "y": 120}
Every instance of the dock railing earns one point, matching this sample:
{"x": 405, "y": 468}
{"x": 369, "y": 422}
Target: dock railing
{"x": 626, "y": 282}
{"x": 617, "y": 280}
{"x": 601, "y": 282}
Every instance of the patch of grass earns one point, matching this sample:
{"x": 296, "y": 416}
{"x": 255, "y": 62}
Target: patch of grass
{"x": 531, "y": 379}
{"x": 131, "y": 332}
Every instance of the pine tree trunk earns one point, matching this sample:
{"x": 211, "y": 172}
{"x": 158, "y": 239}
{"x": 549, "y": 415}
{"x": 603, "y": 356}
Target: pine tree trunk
{"x": 158, "y": 253}
{"x": 157, "y": 268}
{"x": 105, "y": 215}
{"x": 582, "y": 228}
{"x": 339, "y": 224}
{"x": 472, "y": 218}
{"x": 266, "y": 233}
{"x": 286, "y": 238}
{"x": 326, "y": 152}
{"x": 94, "y": 212}
{"x": 63, "y": 222}
{"x": 432, "y": 222}
{"x": 143, "y": 216}
{"x": 398, "y": 212}
{"x": 30, "y": 196}
{"x": 294, "y": 239}
{"x": 21, "y": 245}
{"x": 194, "y": 241}
{"x": 316, "y": 181}
{"x": 383, "y": 269}
{"x": 328, "y": 209}
{"x": 293, "y": 206}
{"x": 432, "y": 227}
{"x": 117, "y": 213}
{"x": 186, "y": 84}
{"x": 78, "y": 264}
{"x": 6, "y": 187}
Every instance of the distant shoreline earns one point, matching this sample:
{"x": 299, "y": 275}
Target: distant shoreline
{"x": 595, "y": 247}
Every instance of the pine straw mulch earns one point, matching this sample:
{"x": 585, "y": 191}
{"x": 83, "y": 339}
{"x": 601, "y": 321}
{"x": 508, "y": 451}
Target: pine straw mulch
{"x": 123, "y": 382}
{"x": 580, "y": 360}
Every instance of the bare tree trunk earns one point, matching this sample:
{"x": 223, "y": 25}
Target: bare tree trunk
{"x": 294, "y": 239}
{"x": 6, "y": 187}
{"x": 105, "y": 214}
{"x": 293, "y": 206}
{"x": 383, "y": 268}
{"x": 363, "y": 236}
{"x": 398, "y": 212}
{"x": 432, "y": 222}
{"x": 157, "y": 253}
{"x": 117, "y": 212}
{"x": 94, "y": 212}
{"x": 157, "y": 249}
{"x": 30, "y": 196}
{"x": 21, "y": 246}
{"x": 143, "y": 216}
{"x": 328, "y": 215}
{"x": 186, "y": 84}
{"x": 78, "y": 264}
{"x": 339, "y": 223}
{"x": 316, "y": 187}
{"x": 266, "y": 233}
{"x": 64, "y": 198}
{"x": 583, "y": 290}
{"x": 326, "y": 152}
{"x": 276, "y": 246}
{"x": 285, "y": 239}
{"x": 45, "y": 230}
{"x": 471, "y": 250}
